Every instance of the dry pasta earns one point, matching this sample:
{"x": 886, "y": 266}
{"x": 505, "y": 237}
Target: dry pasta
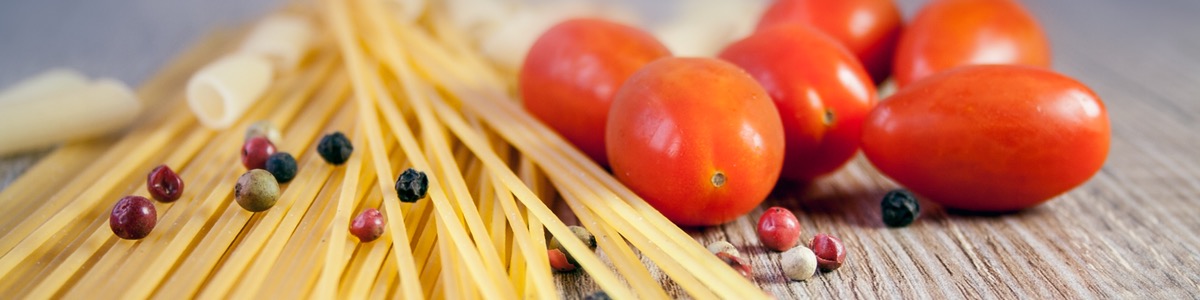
{"x": 413, "y": 94}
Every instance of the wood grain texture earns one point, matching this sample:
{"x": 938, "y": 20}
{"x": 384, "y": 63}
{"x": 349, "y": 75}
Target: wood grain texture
{"x": 1130, "y": 232}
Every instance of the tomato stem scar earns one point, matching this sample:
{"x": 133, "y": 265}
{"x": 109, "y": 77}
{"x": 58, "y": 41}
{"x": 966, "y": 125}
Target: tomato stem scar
{"x": 718, "y": 179}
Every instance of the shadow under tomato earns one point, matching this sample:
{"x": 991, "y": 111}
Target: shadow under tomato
{"x": 825, "y": 202}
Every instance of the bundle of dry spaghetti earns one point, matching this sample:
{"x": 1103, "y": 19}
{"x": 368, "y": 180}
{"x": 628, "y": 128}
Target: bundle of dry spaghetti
{"x": 408, "y": 95}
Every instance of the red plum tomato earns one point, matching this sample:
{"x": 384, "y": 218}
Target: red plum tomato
{"x": 989, "y": 138}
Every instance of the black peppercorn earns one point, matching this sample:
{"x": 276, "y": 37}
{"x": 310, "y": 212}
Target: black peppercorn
{"x": 335, "y": 148}
{"x": 283, "y": 166}
{"x": 900, "y": 208}
{"x": 411, "y": 185}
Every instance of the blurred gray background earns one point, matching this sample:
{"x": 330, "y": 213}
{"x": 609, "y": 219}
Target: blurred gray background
{"x": 125, "y": 39}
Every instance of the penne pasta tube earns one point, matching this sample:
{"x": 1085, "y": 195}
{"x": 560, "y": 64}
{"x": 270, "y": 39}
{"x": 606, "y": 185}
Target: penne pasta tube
{"x": 219, "y": 93}
{"x": 88, "y": 111}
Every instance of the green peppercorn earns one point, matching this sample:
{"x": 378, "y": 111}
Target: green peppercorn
{"x": 335, "y": 148}
{"x": 283, "y": 166}
{"x": 581, "y": 233}
{"x": 899, "y": 208}
{"x": 256, "y": 190}
{"x": 264, "y": 128}
{"x": 411, "y": 185}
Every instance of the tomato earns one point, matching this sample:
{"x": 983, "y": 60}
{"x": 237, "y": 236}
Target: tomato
{"x": 951, "y": 33}
{"x": 991, "y": 138}
{"x": 869, "y": 28}
{"x": 572, "y": 71}
{"x": 820, "y": 90}
{"x": 697, "y": 138}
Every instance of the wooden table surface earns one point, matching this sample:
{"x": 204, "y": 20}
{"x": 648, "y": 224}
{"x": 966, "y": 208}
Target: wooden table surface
{"x": 1130, "y": 232}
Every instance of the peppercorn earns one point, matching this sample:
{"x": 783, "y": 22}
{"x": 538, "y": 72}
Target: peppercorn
{"x": 335, "y": 148}
{"x": 256, "y": 190}
{"x": 256, "y": 151}
{"x": 368, "y": 225}
{"x": 737, "y": 263}
{"x": 899, "y": 208}
{"x": 411, "y": 185}
{"x": 799, "y": 263}
{"x": 723, "y": 246}
{"x": 778, "y": 229}
{"x": 283, "y": 166}
{"x": 163, "y": 184}
{"x": 263, "y": 128}
{"x": 829, "y": 251}
{"x": 133, "y": 217}
{"x": 560, "y": 261}
{"x": 581, "y": 233}
{"x": 598, "y": 295}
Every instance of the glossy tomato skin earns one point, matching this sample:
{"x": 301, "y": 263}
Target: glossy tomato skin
{"x": 869, "y": 28}
{"x": 951, "y": 33}
{"x": 989, "y": 138}
{"x": 697, "y": 138}
{"x": 820, "y": 90}
{"x": 572, "y": 72}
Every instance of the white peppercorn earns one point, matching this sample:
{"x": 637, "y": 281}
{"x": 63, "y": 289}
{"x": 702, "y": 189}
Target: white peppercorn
{"x": 799, "y": 263}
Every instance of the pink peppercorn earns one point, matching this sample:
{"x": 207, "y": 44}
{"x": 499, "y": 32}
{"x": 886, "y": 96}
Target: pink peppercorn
{"x": 133, "y": 217}
{"x": 829, "y": 250}
{"x": 368, "y": 225}
{"x": 164, "y": 185}
{"x": 778, "y": 229}
{"x": 256, "y": 151}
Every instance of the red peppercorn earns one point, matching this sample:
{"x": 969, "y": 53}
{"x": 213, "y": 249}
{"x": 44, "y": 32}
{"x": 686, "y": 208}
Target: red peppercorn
{"x": 737, "y": 263}
{"x": 256, "y": 151}
{"x": 133, "y": 217}
{"x": 164, "y": 185}
{"x": 368, "y": 225}
{"x": 560, "y": 262}
{"x": 778, "y": 229}
{"x": 829, "y": 250}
